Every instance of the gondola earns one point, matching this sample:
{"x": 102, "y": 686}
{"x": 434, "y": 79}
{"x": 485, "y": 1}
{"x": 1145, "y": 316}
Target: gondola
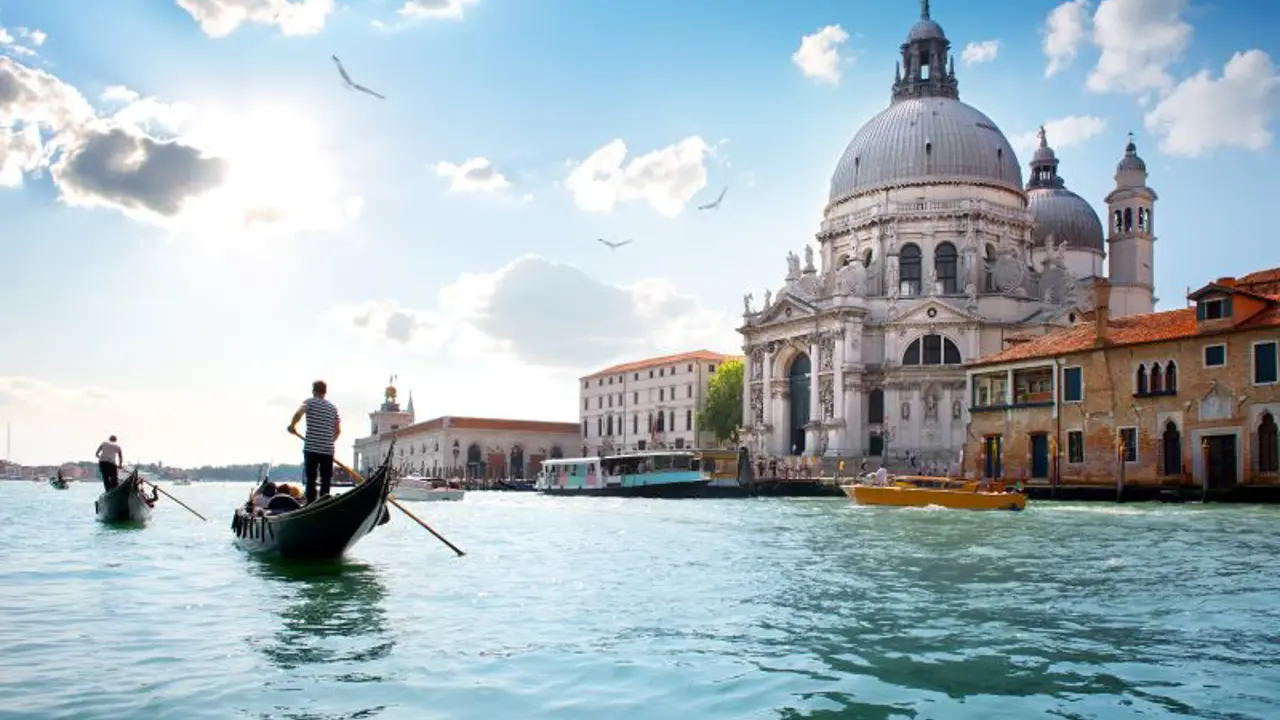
{"x": 125, "y": 502}
{"x": 59, "y": 482}
{"x": 321, "y": 530}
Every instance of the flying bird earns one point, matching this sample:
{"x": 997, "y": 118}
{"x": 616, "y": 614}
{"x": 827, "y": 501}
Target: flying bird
{"x": 613, "y": 245}
{"x": 351, "y": 83}
{"x": 715, "y": 205}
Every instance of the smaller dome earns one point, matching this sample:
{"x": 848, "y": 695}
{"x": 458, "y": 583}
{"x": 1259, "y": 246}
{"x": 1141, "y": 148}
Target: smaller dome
{"x": 1131, "y": 160}
{"x": 926, "y": 29}
{"x": 1067, "y": 216}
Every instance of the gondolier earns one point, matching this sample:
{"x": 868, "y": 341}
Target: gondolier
{"x": 323, "y": 427}
{"x": 110, "y": 458}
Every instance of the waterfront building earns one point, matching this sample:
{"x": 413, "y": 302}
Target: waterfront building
{"x": 931, "y": 251}
{"x": 647, "y": 404}
{"x": 1183, "y": 397}
{"x": 455, "y": 446}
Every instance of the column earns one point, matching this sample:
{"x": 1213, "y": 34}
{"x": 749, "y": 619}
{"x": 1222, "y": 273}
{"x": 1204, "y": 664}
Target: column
{"x": 815, "y": 400}
{"x": 839, "y": 441}
{"x": 748, "y": 418}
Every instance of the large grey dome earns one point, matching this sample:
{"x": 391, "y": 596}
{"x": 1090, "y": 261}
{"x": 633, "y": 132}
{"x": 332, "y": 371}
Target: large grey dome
{"x": 1057, "y": 211}
{"x": 926, "y": 140}
{"x": 1067, "y": 216}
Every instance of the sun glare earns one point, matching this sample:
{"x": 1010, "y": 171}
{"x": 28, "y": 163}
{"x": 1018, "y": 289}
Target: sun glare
{"x": 282, "y": 176}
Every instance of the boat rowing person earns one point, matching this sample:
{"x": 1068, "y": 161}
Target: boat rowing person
{"x": 323, "y": 427}
{"x": 110, "y": 458}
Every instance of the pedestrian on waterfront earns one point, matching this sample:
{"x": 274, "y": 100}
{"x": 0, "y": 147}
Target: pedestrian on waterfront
{"x": 323, "y": 427}
{"x": 110, "y": 458}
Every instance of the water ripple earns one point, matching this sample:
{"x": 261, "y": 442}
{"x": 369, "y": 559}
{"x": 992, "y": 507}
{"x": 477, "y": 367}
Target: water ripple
{"x": 588, "y": 608}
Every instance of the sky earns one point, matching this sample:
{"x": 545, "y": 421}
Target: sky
{"x": 197, "y": 218}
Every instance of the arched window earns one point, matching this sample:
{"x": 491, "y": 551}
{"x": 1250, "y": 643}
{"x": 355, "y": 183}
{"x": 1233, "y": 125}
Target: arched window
{"x": 1268, "y": 442}
{"x": 1140, "y": 381}
{"x": 909, "y": 269}
{"x": 989, "y": 283}
{"x": 1157, "y": 379}
{"x": 944, "y": 264}
{"x": 1117, "y": 221}
{"x": 931, "y": 350}
{"x": 1172, "y": 449}
{"x": 1128, "y": 219}
{"x": 866, "y": 259}
{"x": 1171, "y": 377}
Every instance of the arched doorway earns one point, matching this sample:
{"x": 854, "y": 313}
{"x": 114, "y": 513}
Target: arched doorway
{"x": 798, "y": 379}
{"x": 556, "y": 452}
{"x": 1171, "y": 449}
{"x": 475, "y": 463}
{"x": 1268, "y": 439}
{"x": 516, "y": 463}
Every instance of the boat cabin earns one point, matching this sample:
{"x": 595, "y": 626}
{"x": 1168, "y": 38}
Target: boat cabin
{"x": 627, "y": 470}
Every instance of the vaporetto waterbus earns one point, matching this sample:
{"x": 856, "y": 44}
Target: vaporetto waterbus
{"x": 653, "y": 474}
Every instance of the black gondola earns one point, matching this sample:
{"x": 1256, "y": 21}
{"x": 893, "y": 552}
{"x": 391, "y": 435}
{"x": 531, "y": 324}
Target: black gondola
{"x": 124, "y": 503}
{"x": 59, "y": 482}
{"x": 322, "y": 530}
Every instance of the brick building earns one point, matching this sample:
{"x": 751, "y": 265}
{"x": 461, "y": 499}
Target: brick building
{"x": 1186, "y": 397}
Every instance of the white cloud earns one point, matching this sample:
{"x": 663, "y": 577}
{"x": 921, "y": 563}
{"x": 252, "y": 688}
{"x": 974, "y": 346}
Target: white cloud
{"x": 219, "y": 174}
{"x": 119, "y": 94}
{"x": 818, "y": 56}
{"x": 436, "y": 9}
{"x": 547, "y": 314}
{"x": 1064, "y": 31}
{"x": 1235, "y": 110}
{"x": 24, "y": 394}
{"x": 476, "y": 174}
{"x": 220, "y": 18}
{"x": 36, "y": 36}
{"x": 980, "y": 52}
{"x": 1063, "y": 132}
{"x": 665, "y": 178}
{"x": 1137, "y": 40}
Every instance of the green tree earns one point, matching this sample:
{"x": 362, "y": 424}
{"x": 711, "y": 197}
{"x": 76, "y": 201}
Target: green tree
{"x": 722, "y": 409}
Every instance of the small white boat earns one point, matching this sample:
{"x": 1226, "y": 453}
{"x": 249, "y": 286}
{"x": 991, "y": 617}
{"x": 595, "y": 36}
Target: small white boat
{"x": 182, "y": 481}
{"x": 417, "y": 487}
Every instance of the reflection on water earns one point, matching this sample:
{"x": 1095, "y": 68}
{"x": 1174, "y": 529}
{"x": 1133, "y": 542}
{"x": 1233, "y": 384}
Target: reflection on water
{"x": 322, "y": 623}
{"x": 325, "y": 614}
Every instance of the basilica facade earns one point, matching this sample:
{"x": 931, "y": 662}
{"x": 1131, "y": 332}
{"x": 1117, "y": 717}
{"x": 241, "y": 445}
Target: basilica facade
{"x": 931, "y": 253}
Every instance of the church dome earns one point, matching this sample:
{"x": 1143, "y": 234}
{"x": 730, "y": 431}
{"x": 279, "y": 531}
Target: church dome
{"x": 1057, "y": 211}
{"x": 926, "y": 135}
{"x": 928, "y": 139}
{"x": 1067, "y": 216}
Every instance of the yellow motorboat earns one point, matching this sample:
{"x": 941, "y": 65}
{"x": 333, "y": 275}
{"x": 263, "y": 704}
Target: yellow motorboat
{"x": 944, "y": 492}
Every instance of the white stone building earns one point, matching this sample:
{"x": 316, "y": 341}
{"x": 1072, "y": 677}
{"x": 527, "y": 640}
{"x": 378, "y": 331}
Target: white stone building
{"x": 648, "y": 404}
{"x": 470, "y": 447}
{"x": 932, "y": 253}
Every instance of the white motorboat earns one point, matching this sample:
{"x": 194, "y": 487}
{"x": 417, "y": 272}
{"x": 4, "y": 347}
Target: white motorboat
{"x": 417, "y": 487}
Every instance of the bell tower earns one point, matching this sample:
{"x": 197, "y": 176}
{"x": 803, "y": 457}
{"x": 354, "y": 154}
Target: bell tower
{"x": 1131, "y": 237}
{"x": 927, "y": 68}
{"x": 389, "y": 416}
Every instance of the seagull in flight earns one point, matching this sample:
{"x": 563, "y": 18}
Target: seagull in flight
{"x": 716, "y": 204}
{"x": 613, "y": 245}
{"x": 351, "y": 83}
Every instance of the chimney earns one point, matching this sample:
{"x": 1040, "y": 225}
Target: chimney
{"x": 1226, "y": 282}
{"x": 1101, "y": 310}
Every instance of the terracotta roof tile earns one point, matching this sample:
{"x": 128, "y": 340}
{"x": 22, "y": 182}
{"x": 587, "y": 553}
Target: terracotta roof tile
{"x": 700, "y": 355}
{"x": 478, "y": 423}
{"x": 1130, "y": 330}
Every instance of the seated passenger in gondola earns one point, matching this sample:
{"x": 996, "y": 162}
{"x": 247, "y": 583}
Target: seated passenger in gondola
{"x": 263, "y": 495}
{"x": 282, "y": 502}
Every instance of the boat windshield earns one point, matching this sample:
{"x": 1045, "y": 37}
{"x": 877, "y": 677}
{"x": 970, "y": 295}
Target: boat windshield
{"x": 646, "y": 463}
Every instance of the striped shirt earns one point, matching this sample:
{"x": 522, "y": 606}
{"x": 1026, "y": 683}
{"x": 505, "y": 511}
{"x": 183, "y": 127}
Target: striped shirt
{"x": 322, "y": 425}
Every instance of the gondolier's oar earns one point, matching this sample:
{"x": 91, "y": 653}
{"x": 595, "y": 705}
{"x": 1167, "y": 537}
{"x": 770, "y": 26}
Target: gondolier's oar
{"x": 162, "y": 490}
{"x": 360, "y": 481}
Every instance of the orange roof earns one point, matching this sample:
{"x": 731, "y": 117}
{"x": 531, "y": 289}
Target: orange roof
{"x": 1261, "y": 276}
{"x": 477, "y": 423}
{"x": 702, "y": 355}
{"x": 1130, "y": 330}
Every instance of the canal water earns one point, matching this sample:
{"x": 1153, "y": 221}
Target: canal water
{"x": 608, "y": 608}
